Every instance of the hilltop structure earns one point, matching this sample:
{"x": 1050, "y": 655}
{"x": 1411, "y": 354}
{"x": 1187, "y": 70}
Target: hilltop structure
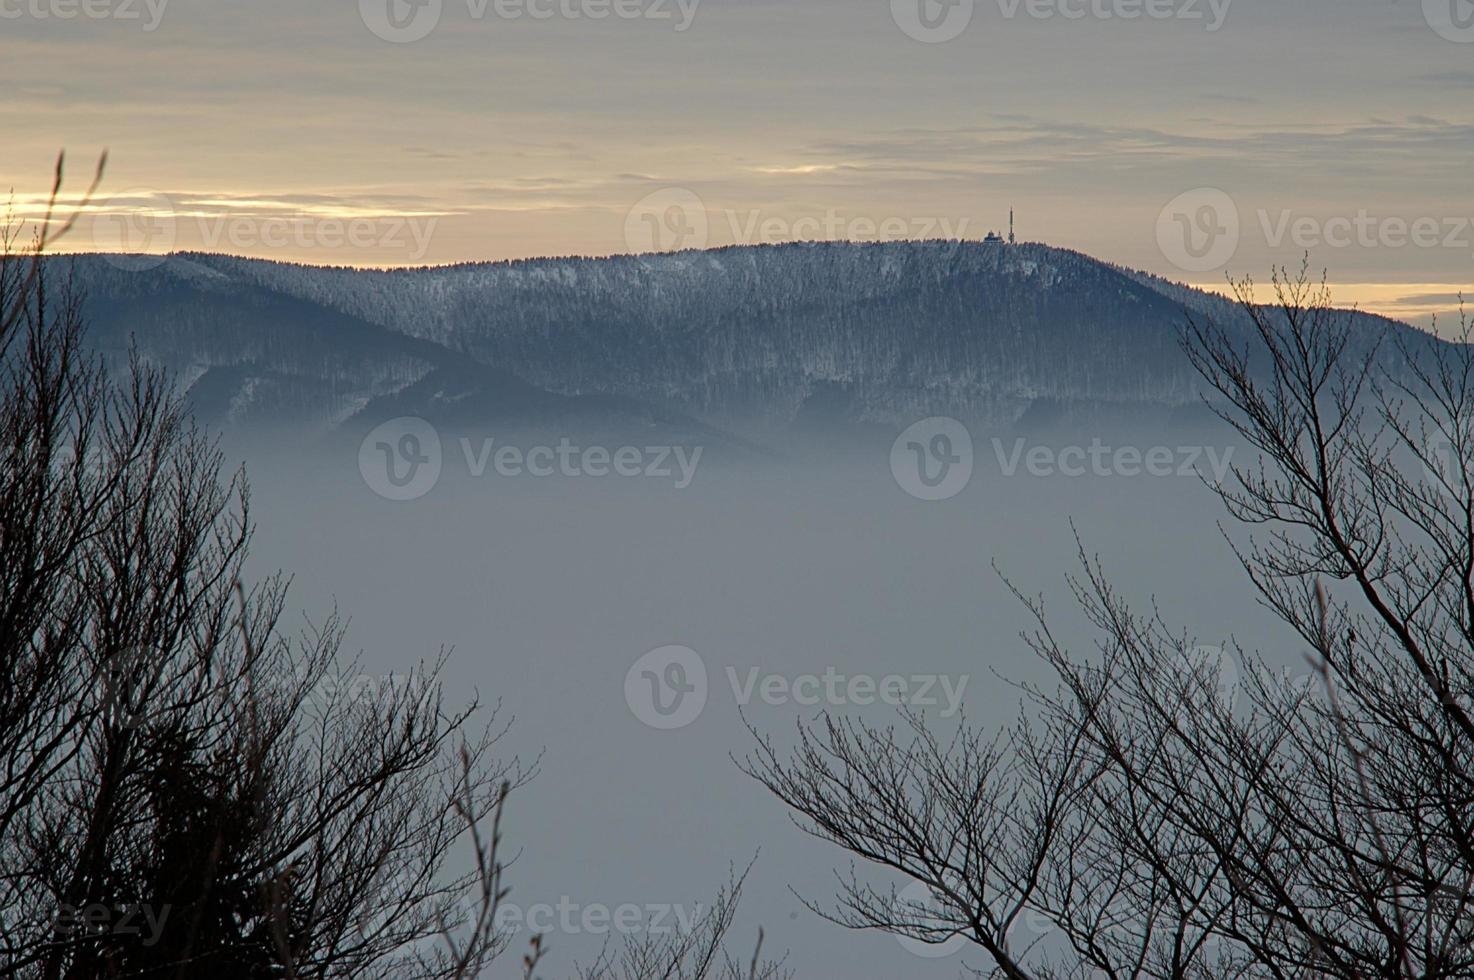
{"x": 993, "y": 238}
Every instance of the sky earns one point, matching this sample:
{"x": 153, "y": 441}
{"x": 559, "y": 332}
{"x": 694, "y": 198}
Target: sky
{"x": 1196, "y": 139}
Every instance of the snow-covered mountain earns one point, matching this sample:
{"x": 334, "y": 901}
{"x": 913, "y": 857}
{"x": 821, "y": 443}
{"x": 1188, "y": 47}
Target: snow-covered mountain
{"x": 747, "y": 339}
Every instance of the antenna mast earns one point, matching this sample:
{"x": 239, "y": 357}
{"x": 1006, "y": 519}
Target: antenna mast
{"x": 1011, "y": 239}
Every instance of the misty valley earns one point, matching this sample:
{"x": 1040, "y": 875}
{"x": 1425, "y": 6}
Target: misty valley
{"x": 733, "y": 490}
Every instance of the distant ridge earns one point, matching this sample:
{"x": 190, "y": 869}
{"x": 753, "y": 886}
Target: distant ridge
{"x": 746, "y": 338}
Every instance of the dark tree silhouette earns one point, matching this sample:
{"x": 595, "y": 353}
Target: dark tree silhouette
{"x": 1160, "y": 815}
{"x": 168, "y": 755}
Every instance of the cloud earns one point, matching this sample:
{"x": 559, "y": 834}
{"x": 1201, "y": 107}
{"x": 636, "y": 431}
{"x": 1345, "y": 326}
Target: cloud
{"x": 1429, "y": 299}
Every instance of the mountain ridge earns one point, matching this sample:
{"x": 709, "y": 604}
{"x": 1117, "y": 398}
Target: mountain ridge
{"x": 749, "y": 339}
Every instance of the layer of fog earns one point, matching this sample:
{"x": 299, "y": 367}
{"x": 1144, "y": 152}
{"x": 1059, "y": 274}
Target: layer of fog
{"x": 550, "y": 589}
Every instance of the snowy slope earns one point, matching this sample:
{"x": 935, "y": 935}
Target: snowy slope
{"x": 747, "y": 338}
